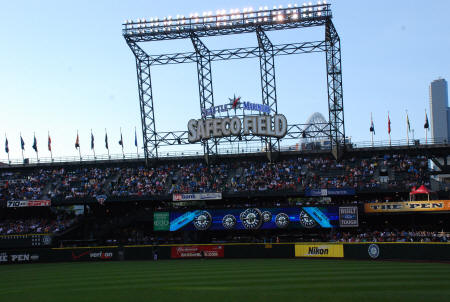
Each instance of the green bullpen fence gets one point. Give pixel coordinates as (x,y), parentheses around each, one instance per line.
(365,251)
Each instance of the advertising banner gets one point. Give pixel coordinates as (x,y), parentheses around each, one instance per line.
(255,219)
(329,192)
(348,217)
(161,221)
(319,250)
(28,203)
(195,251)
(408,206)
(197,196)
(18,257)
(90,255)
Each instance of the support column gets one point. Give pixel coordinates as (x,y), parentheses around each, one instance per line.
(205,87)
(335,93)
(149,134)
(268,85)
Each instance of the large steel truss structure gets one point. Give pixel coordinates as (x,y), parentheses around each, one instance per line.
(236,22)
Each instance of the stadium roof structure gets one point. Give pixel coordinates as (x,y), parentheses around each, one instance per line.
(238,21)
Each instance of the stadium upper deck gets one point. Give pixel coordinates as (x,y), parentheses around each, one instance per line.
(243,175)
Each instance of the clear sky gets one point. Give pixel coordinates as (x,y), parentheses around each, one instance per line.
(64,66)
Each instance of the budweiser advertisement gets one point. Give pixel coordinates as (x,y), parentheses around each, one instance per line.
(195,251)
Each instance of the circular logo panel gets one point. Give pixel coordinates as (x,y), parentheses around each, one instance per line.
(252,219)
(374,251)
(306,220)
(267,216)
(229,221)
(203,221)
(282,220)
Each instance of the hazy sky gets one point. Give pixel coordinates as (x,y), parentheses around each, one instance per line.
(64,66)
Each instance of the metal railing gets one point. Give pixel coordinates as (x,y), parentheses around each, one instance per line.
(245,149)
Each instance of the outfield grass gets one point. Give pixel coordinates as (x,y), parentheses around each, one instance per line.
(226,280)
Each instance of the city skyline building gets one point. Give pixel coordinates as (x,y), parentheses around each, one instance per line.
(439,110)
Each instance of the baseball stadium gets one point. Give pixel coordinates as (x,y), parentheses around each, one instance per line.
(245,203)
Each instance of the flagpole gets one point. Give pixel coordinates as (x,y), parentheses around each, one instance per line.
(106,135)
(135,140)
(50,146)
(21,146)
(6,139)
(407,128)
(79,148)
(121,139)
(426,129)
(92,145)
(389,125)
(35,143)
(371,123)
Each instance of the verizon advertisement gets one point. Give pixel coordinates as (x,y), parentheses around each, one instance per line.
(28,203)
(195,251)
(92,255)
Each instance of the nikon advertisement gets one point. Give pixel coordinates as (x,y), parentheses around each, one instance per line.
(319,250)
(407,206)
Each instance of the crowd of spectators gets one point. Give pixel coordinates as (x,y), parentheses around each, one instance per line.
(295,174)
(391,236)
(36,225)
(17,185)
(141,181)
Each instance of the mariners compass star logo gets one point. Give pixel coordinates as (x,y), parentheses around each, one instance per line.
(235,101)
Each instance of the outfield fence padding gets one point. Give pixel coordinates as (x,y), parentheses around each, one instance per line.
(363,251)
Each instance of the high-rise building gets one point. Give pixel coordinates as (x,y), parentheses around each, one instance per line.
(439,111)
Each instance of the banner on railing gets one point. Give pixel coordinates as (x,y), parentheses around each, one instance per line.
(197,196)
(28,203)
(329,192)
(408,206)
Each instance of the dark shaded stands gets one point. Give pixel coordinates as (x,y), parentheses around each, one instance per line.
(119,198)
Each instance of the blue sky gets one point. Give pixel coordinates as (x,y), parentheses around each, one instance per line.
(64,66)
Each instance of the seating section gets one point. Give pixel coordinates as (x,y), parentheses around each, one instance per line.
(295,174)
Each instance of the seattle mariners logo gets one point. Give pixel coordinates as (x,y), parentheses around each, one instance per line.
(374,251)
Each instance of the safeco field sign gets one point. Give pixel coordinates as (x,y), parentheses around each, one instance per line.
(319,250)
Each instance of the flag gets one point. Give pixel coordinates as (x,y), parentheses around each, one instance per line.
(92,141)
(106,141)
(135,137)
(121,140)
(6,145)
(372,126)
(407,123)
(22,143)
(77,142)
(389,124)
(427,125)
(35,144)
(49,143)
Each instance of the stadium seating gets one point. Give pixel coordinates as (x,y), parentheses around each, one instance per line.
(295,174)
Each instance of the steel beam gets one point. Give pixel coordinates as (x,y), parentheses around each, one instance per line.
(149,135)
(205,86)
(335,93)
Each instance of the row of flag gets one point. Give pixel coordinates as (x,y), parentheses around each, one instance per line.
(372,126)
(77,142)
